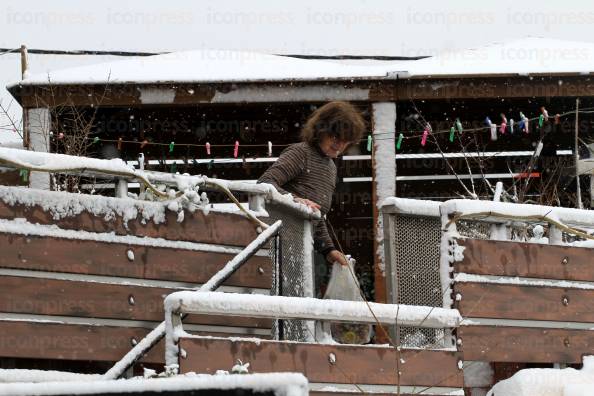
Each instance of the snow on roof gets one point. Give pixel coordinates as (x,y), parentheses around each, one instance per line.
(520,57)
(205,66)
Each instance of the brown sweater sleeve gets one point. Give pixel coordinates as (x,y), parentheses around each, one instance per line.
(322,242)
(289,165)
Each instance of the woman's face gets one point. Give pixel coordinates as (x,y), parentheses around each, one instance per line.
(333,146)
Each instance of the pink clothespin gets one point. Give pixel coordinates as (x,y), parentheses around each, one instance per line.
(503,124)
(424,138)
(207,145)
(236,149)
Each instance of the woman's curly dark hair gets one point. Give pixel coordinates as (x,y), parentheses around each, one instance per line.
(339,119)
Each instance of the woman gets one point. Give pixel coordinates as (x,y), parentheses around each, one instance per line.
(307,169)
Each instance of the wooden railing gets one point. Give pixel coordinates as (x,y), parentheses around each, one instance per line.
(83,287)
(521,276)
(356,367)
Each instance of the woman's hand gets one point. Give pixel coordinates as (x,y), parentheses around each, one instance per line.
(336,256)
(308,203)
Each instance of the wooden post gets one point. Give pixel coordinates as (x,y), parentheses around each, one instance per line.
(383,162)
(24,61)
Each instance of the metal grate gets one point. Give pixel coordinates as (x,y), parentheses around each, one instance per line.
(294,276)
(474,229)
(415,266)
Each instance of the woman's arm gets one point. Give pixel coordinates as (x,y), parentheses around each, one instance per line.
(322,241)
(324,245)
(289,165)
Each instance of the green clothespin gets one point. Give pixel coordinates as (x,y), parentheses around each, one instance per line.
(174,167)
(399,142)
(210,163)
(452,132)
(369,143)
(459,125)
(171,145)
(540,120)
(24,174)
(96,140)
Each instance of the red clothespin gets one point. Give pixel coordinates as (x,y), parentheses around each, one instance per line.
(120,144)
(144,143)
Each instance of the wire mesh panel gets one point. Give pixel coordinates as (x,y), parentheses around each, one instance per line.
(294,274)
(474,229)
(414,271)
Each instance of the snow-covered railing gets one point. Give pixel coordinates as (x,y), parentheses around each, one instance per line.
(213,283)
(521,276)
(279,307)
(117,169)
(504,216)
(288,384)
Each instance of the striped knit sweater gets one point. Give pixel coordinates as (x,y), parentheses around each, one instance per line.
(306,172)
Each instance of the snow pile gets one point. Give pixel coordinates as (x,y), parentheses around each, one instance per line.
(281,384)
(548,382)
(62,205)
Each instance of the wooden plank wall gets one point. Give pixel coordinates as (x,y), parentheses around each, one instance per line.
(83,299)
(529,311)
(331,364)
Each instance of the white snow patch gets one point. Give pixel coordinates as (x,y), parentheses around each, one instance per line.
(548,382)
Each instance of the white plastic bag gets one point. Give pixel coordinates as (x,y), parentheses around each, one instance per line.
(343,285)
